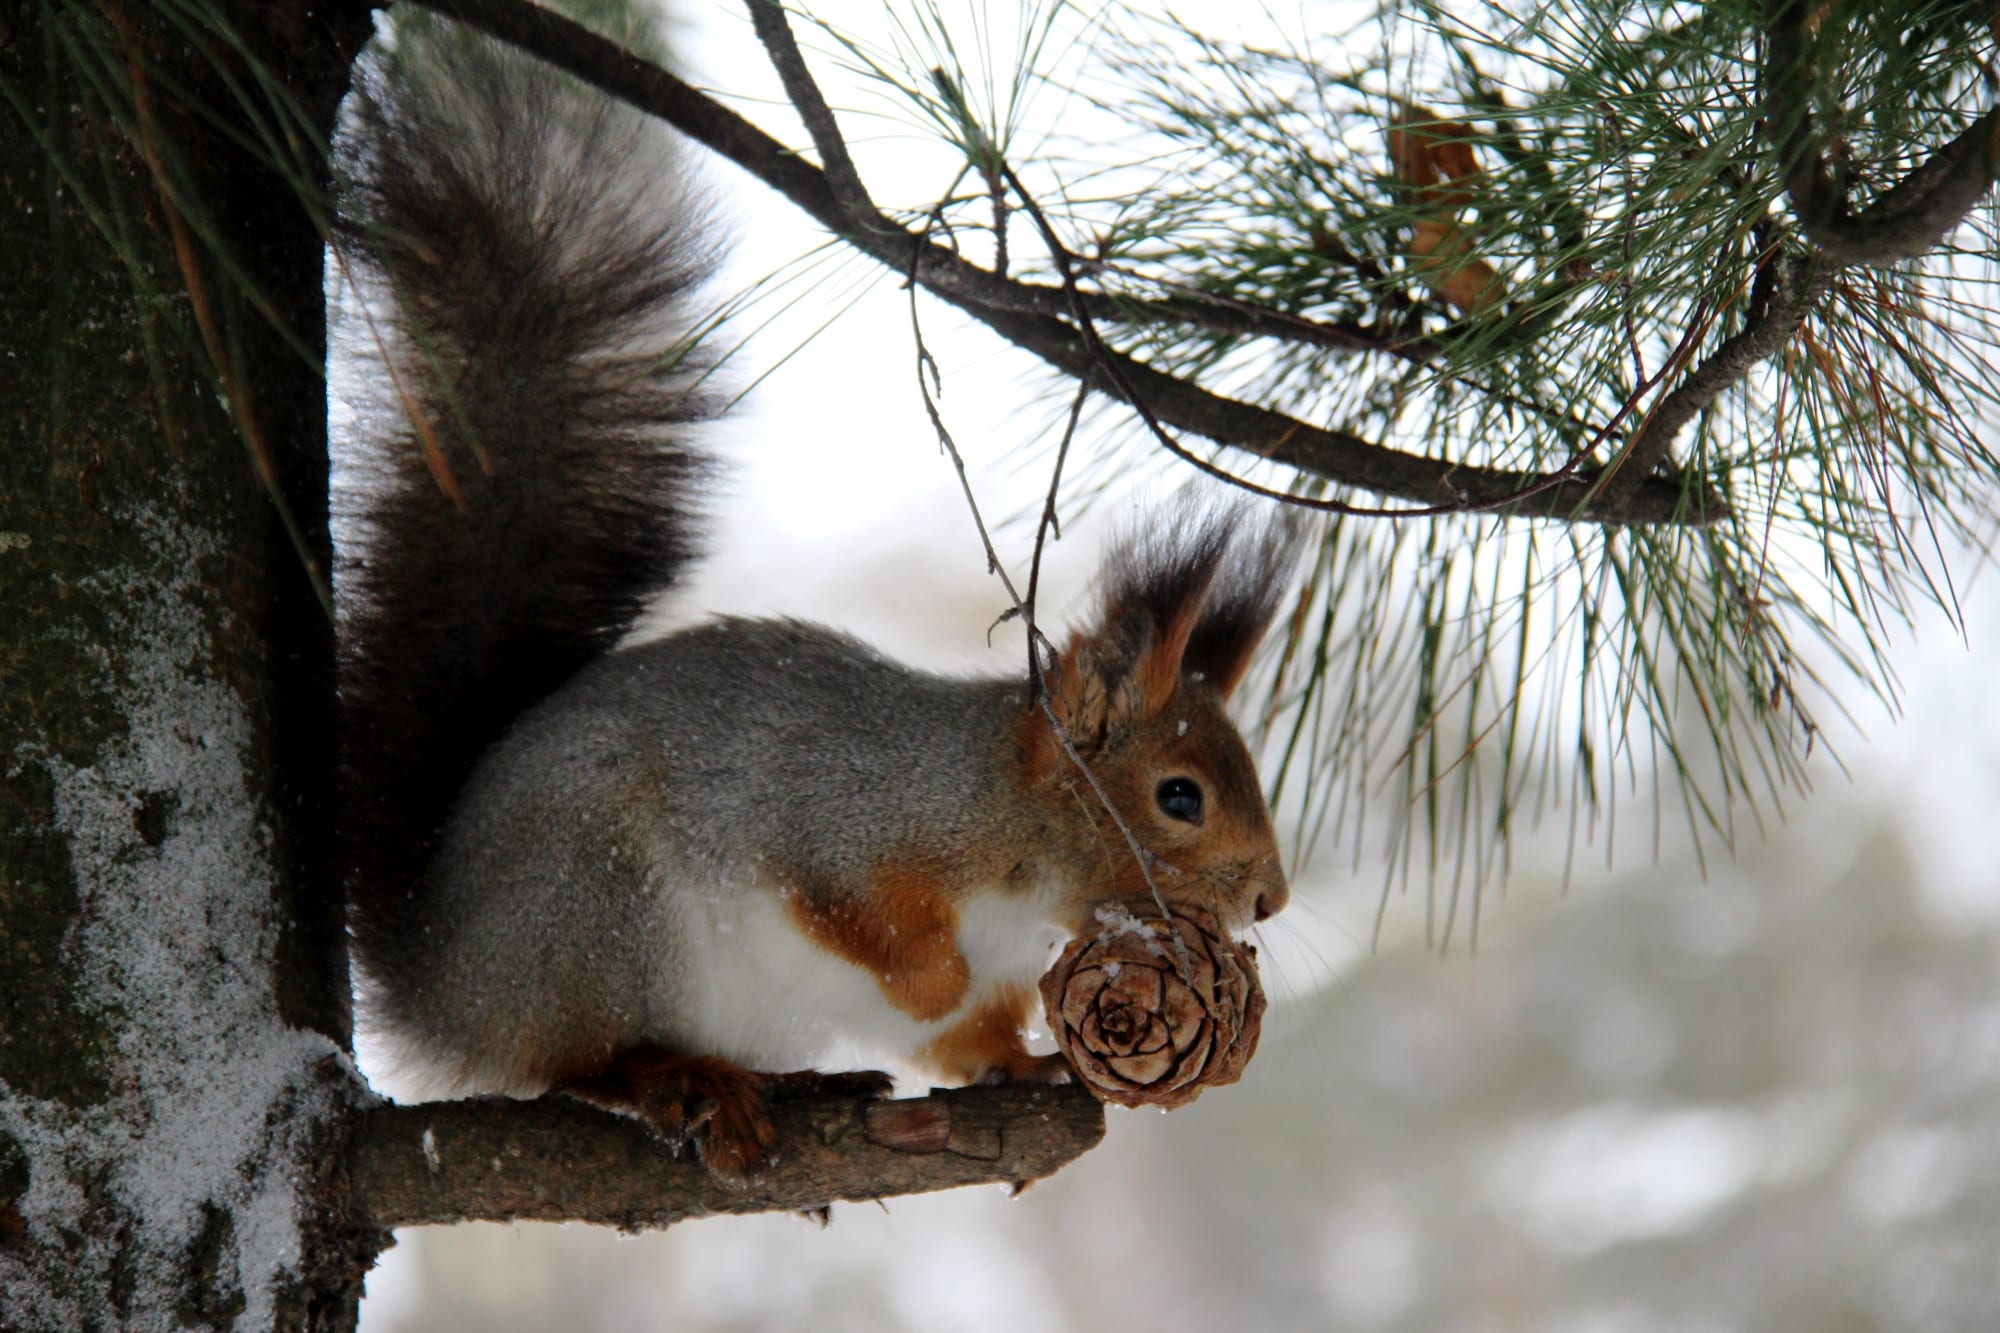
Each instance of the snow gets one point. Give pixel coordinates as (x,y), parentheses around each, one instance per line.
(1117,920)
(213,1098)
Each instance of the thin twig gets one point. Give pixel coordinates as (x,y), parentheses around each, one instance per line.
(927,371)
(1142,855)
(1038,691)
(1048,523)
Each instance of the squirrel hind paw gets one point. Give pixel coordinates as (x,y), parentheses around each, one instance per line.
(718,1105)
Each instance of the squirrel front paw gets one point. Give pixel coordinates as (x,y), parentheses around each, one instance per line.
(1025,1068)
(986,1046)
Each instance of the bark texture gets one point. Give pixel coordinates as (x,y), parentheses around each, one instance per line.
(171,1016)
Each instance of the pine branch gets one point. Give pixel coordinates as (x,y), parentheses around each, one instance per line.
(1763,335)
(1035,317)
(558,1160)
(1909,219)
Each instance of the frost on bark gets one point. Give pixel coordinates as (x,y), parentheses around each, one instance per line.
(171,1069)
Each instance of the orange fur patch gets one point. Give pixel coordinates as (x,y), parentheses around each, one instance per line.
(903,931)
(987,1041)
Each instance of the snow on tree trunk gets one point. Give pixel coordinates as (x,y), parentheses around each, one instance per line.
(156,1167)
(173,1091)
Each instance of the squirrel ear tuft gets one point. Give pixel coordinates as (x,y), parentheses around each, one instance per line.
(1242,602)
(1191,594)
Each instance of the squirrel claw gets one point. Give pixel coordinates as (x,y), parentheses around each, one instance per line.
(696,1114)
(1026,1068)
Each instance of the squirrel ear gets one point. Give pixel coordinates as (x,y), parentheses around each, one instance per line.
(1095,689)
(1242,602)
(1239,610)
(1079,694)
(1126,667)
(1166,627)
(1194,595)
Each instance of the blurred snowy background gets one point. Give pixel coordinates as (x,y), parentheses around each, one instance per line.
(1765,1099)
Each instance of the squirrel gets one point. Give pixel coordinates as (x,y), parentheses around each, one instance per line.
(651,873)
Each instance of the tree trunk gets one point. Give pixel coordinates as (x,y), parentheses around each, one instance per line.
(173,1083)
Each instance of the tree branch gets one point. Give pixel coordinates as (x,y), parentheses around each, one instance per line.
(1032,316)
(618,73)
(1766,331)
(1533,496)
(774,30)
(555,1159)
(1907,221)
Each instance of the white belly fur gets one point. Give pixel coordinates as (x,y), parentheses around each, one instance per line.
(765,996)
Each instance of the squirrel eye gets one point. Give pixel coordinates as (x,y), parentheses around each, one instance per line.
(1179,798)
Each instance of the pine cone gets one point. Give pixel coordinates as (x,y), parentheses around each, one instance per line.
(1137,1031)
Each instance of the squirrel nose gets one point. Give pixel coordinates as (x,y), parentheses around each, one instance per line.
(1269,902)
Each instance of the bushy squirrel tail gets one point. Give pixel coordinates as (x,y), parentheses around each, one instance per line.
(525,258)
